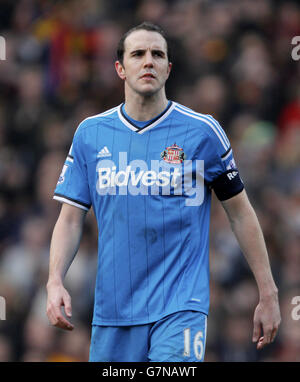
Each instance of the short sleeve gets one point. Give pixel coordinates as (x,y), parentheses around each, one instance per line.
(221,171)
(72,186)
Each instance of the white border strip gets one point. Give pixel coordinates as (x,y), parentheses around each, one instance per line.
(160,119)
(71,160)
(104,114)
(133,128)
(65,200)
(211,119)
(225,145)
(227,155)
(205,330)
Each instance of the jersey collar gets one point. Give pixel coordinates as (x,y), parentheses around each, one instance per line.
(154,122)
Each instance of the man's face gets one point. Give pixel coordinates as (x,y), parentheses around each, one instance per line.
(145,67)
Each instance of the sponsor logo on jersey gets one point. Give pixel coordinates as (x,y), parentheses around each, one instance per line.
(173,154)
(104,153)
(136,178)
(61,178)
(231,164)
(231,175)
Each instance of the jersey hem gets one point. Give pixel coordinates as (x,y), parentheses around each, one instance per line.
(144,321)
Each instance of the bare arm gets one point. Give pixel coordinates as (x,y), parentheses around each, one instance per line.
(64,246)
(246,228)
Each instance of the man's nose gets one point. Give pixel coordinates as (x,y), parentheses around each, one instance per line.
(148,62)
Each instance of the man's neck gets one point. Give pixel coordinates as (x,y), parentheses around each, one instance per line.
(143,108)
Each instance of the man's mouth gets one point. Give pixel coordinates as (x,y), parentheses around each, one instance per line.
(148,75)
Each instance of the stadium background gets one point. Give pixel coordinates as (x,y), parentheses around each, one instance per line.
(232,59)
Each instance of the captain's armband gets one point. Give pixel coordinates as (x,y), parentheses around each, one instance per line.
(227,184)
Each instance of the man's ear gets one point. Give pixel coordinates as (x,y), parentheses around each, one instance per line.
(169,68)
(120,70)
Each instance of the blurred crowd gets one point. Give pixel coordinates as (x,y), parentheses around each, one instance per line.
(231,59)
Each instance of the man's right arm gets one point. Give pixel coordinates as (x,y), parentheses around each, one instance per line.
(64,246)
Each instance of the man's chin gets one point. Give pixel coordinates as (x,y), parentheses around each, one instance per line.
(148,91)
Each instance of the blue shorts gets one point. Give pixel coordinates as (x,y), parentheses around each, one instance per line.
(179,337)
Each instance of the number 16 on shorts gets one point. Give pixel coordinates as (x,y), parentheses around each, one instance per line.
(193,346)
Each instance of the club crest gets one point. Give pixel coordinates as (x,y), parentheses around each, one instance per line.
(173,154)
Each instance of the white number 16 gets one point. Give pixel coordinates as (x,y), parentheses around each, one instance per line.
(197,344)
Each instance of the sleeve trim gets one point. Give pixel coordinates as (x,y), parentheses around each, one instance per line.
(70,158)
(72,202)
(226,154)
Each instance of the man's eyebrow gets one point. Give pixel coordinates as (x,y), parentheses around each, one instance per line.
(137,50)
(141,50)
(159,51)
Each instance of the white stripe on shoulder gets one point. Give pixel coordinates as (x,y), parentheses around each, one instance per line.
(210,118)
(209,123)
(110,111)
(104,114)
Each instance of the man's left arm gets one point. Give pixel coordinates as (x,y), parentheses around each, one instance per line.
(247,230)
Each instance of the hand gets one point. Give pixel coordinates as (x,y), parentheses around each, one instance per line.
(58,297)
(266,321)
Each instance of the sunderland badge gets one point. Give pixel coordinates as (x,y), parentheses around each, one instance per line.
(173,154)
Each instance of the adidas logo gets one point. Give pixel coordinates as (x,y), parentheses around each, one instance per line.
(103,153)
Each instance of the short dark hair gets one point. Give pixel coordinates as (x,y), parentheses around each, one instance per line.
(148,26)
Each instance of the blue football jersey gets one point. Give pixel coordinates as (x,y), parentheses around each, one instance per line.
(150,187)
